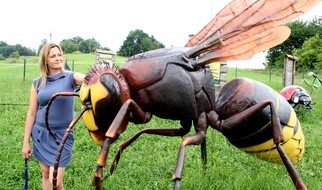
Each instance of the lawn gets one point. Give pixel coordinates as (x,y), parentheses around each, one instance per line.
(150,161)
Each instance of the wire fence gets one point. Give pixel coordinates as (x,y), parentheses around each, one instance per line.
(22,73)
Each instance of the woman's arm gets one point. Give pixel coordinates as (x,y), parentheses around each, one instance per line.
(78,78)
(30,120)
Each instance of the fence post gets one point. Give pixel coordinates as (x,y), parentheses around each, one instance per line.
(270,74)
(24,69)
(236,72)
(289,70)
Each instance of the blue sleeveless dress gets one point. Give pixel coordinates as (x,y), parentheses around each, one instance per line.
(61,113)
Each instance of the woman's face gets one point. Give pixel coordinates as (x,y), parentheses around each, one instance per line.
(55,60)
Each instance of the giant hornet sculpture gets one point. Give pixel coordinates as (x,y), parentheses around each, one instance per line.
(176,84)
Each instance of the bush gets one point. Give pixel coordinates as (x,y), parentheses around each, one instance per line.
(2,58)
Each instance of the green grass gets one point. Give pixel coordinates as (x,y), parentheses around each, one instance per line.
(150,161)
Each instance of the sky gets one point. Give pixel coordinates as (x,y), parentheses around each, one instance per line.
(28,22)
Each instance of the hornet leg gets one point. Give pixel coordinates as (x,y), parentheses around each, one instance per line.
(64,139)
(234,121)
(161,131)
(278,139)
(117,127)
(101,163)
(196,139)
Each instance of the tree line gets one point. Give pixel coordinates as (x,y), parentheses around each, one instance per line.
(304,43)
(136,41)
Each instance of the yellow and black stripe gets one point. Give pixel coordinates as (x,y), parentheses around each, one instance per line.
(254,135)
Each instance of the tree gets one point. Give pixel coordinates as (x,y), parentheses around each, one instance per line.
(43,42)
(23,51)
(2,43)
(14,55)
(16,50)
(89,45)
(69,46)
(136,42)
(84,46)
(310,55)
(301,31)
(77,40)
(6,51)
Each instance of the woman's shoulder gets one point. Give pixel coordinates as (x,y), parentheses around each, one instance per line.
(69,72)
(36,81)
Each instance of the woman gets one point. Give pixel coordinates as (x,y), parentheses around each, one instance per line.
(53,78)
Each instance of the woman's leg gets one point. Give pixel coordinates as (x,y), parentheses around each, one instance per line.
(46,185)
(47,177)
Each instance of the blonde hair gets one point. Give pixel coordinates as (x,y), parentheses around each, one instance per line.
(43,56)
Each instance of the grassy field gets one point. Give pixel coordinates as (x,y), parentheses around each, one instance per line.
(150,161)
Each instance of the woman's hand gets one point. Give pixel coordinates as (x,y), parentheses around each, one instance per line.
(26,151)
